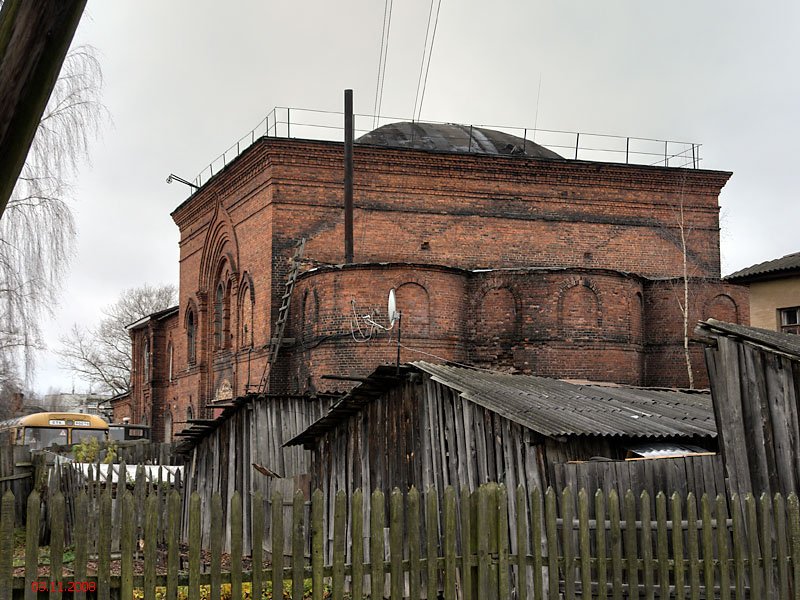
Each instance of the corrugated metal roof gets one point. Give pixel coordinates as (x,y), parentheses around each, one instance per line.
(786,343)
(550,407)
(556,408)
(767,269)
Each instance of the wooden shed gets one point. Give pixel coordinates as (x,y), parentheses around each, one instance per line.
(437,425)
(755,384)
(243,450)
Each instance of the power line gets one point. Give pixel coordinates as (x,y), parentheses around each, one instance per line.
(422,62)
(430,53)
(387,25)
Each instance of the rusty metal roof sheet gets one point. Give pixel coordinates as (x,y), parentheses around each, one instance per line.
(767,270)
(551,407)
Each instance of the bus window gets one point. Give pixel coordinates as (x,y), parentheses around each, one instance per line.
(40,437)
(80,435)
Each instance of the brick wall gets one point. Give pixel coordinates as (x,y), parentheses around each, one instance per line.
(427,209)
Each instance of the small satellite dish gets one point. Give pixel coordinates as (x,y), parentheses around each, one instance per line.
(392,308)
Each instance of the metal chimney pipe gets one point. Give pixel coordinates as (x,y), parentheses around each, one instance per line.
(348,176)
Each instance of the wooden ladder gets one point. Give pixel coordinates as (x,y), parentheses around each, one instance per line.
(283,315)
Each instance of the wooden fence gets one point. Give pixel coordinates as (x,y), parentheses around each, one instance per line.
(698,474)
(17,476)
(684,550)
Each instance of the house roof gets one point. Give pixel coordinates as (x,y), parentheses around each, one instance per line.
(768,270)
(785,343)
(156,316)
(551,407)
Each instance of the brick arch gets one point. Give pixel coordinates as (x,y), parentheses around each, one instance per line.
(636,317)
(414,304)
(246,310)
(723,308)
(580,311)
(220,243)
(310,326)
(498,314)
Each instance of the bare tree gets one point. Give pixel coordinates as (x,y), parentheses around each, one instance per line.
(102,356)
(37,230)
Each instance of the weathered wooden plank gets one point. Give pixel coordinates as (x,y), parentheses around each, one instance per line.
(376,544)
(468,547)
(662,545)
(782,556)
(615,539)
(396,544)
(567,547)
(127,544)
(81,541)
(600,544)
(216,532)
(357,550)
(502,529)
(552,543)
(432,543)
(584,543)
(723,547)
(537,542)
(739,543)
(150,545)
(522,529)
(449,540)
(693,547)
(754,555)
(277,528)
(631,550)
(708,543)
(173,543)
(31,544)
(57,517)
(257,543)
(793,516)
(648,567)
(237,531)
(339,553)
(195,537)
(298,545)
(104,545)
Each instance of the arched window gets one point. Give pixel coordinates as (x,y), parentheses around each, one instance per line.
(222,315)
(146,360)
(246,312)
(189,412)
(170,355)
(168,427)
(218,310)
(191,334)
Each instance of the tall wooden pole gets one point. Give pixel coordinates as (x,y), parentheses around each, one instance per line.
(348,176)
(34,39)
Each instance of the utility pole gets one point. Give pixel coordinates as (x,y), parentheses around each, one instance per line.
(348,176)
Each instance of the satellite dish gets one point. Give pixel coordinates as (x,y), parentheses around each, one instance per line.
(392,308)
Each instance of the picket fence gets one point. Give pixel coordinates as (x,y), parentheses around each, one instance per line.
(411,547)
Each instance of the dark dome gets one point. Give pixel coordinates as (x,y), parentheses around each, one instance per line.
(453,138)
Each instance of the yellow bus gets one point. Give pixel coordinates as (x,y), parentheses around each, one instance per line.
(41,430)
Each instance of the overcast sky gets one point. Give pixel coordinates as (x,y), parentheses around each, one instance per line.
(185,79)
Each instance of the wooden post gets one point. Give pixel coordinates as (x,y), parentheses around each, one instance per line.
(31,544)
(376,545)
(237,531)
(339,532)
(257,539)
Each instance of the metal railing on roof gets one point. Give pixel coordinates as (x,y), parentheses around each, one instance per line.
(302,123)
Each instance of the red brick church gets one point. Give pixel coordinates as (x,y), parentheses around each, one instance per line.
(502,254)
